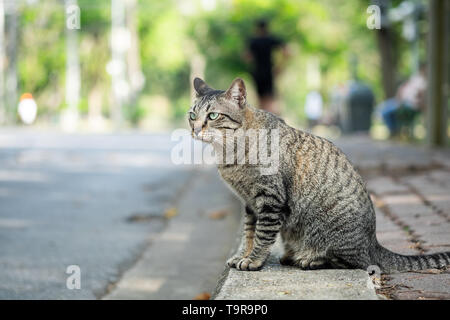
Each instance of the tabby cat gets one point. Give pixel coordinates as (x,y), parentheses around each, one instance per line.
(316,200)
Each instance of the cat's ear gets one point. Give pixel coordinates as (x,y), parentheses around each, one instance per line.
(201,87)
(237,92)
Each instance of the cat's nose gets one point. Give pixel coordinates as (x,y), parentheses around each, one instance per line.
(197,131)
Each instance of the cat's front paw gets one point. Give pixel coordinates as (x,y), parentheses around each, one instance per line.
(232,262)
(249,265)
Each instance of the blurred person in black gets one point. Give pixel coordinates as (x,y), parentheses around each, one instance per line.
(260,48)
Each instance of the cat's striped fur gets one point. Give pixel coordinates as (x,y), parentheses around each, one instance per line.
(317,201)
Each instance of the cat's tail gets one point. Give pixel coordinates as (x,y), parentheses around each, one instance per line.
(390,262)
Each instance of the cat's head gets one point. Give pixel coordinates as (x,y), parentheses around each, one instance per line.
(215,111)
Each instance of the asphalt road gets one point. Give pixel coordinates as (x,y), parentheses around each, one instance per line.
(67,199)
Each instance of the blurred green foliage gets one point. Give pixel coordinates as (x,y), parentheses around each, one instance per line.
(171,32)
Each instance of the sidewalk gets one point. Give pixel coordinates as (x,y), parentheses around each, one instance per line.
(410,187)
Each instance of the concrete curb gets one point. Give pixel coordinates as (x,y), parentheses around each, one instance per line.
(224,275)
(276,282)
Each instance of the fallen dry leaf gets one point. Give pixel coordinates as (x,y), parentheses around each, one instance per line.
(218,214)
(170,213)
(416,245)
(143,217)
(203,296)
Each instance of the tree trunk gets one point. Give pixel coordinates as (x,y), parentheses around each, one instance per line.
(438,72)
(386,45)
(73,81)
(135,75)
(120,41)
(2,64)
(11,97)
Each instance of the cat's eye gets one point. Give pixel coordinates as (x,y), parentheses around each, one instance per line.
(213,115)
(192,116)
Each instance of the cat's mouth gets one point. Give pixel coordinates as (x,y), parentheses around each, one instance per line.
(202,137)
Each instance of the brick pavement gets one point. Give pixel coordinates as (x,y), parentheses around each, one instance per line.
(413,217)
